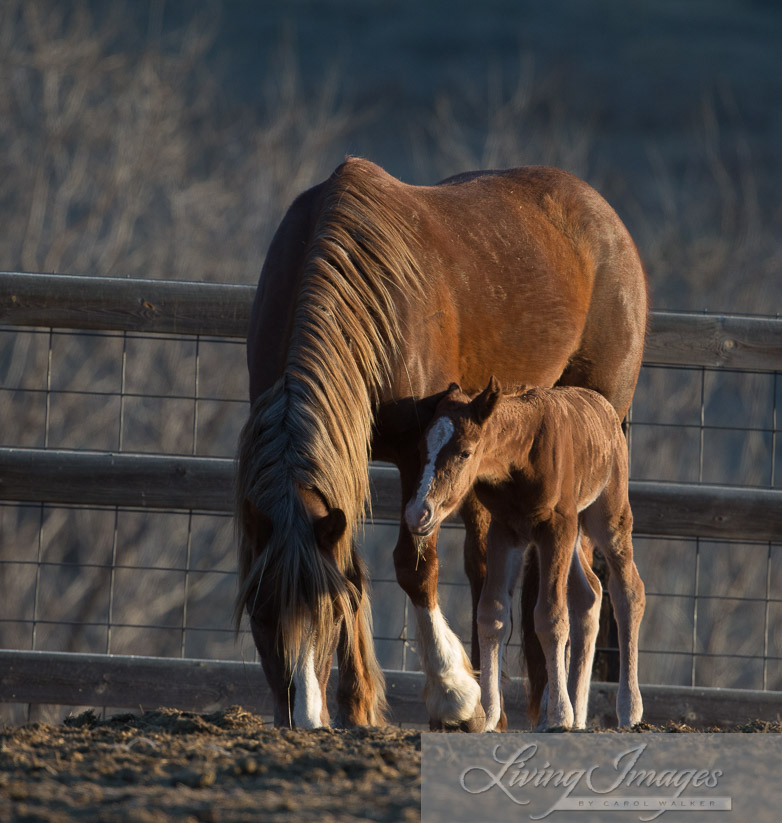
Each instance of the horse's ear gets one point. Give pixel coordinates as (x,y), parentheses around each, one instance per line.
(329,529)
(483,405)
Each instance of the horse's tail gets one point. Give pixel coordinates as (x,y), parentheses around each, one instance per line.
(534,658)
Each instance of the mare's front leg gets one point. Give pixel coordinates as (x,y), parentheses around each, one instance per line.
(453,697)
(584,595)
(555,540)
(361,685)
(503,563)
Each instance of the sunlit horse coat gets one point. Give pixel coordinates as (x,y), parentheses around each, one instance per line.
(374,296)
(550,465)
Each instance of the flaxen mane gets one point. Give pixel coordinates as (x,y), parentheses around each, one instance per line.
(312,428)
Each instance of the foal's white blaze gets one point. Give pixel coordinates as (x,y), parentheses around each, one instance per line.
(308,701)
(452,694)
(436,438)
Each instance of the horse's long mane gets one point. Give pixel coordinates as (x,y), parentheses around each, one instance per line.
(312,429)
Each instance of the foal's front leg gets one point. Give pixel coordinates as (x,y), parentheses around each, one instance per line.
(476,528)
(555,540)
(503,562)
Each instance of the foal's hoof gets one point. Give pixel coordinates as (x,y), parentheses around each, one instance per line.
(476,723)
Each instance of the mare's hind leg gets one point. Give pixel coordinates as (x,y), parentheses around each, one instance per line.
(610,521)
(584,595)
(452,694)
(361,686)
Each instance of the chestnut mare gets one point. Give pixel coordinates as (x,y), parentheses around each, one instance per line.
(547,464)
(374,296)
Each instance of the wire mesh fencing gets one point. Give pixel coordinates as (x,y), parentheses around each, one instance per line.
(131,580)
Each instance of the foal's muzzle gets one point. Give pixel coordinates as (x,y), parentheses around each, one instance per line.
(420,518)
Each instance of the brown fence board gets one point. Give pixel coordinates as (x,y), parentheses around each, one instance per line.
(124,680)
(97,680)
(714,340)
(114,304)
(172,482)
(695,510)
(106,303)
(108,479)
(203,483)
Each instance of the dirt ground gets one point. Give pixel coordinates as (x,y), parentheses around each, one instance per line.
(227,766)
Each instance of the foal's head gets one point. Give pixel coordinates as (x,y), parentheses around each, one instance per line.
(451,450)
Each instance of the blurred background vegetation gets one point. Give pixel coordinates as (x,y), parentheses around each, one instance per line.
(165,139)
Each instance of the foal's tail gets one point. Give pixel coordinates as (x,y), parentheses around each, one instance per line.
(534,658)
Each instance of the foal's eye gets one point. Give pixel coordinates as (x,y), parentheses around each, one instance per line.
(465,455)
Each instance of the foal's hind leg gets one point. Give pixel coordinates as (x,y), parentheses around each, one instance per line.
(584,598)
(534,659)
(610,521)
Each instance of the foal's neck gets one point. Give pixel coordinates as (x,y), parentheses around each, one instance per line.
(510,433)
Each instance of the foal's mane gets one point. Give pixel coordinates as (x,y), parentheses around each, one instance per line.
(312,428)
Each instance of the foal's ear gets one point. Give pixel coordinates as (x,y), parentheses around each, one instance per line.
(483,405)
(329,529)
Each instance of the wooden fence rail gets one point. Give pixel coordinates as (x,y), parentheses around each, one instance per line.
(115,304)
(121,681)
(171,482)
(204,483)
(160,306)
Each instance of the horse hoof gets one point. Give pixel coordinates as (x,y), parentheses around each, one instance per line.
(475,724)
(472,725)
(341,723)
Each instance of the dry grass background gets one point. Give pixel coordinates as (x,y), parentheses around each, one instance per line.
(128,162)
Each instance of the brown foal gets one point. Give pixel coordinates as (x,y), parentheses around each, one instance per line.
(547,464)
